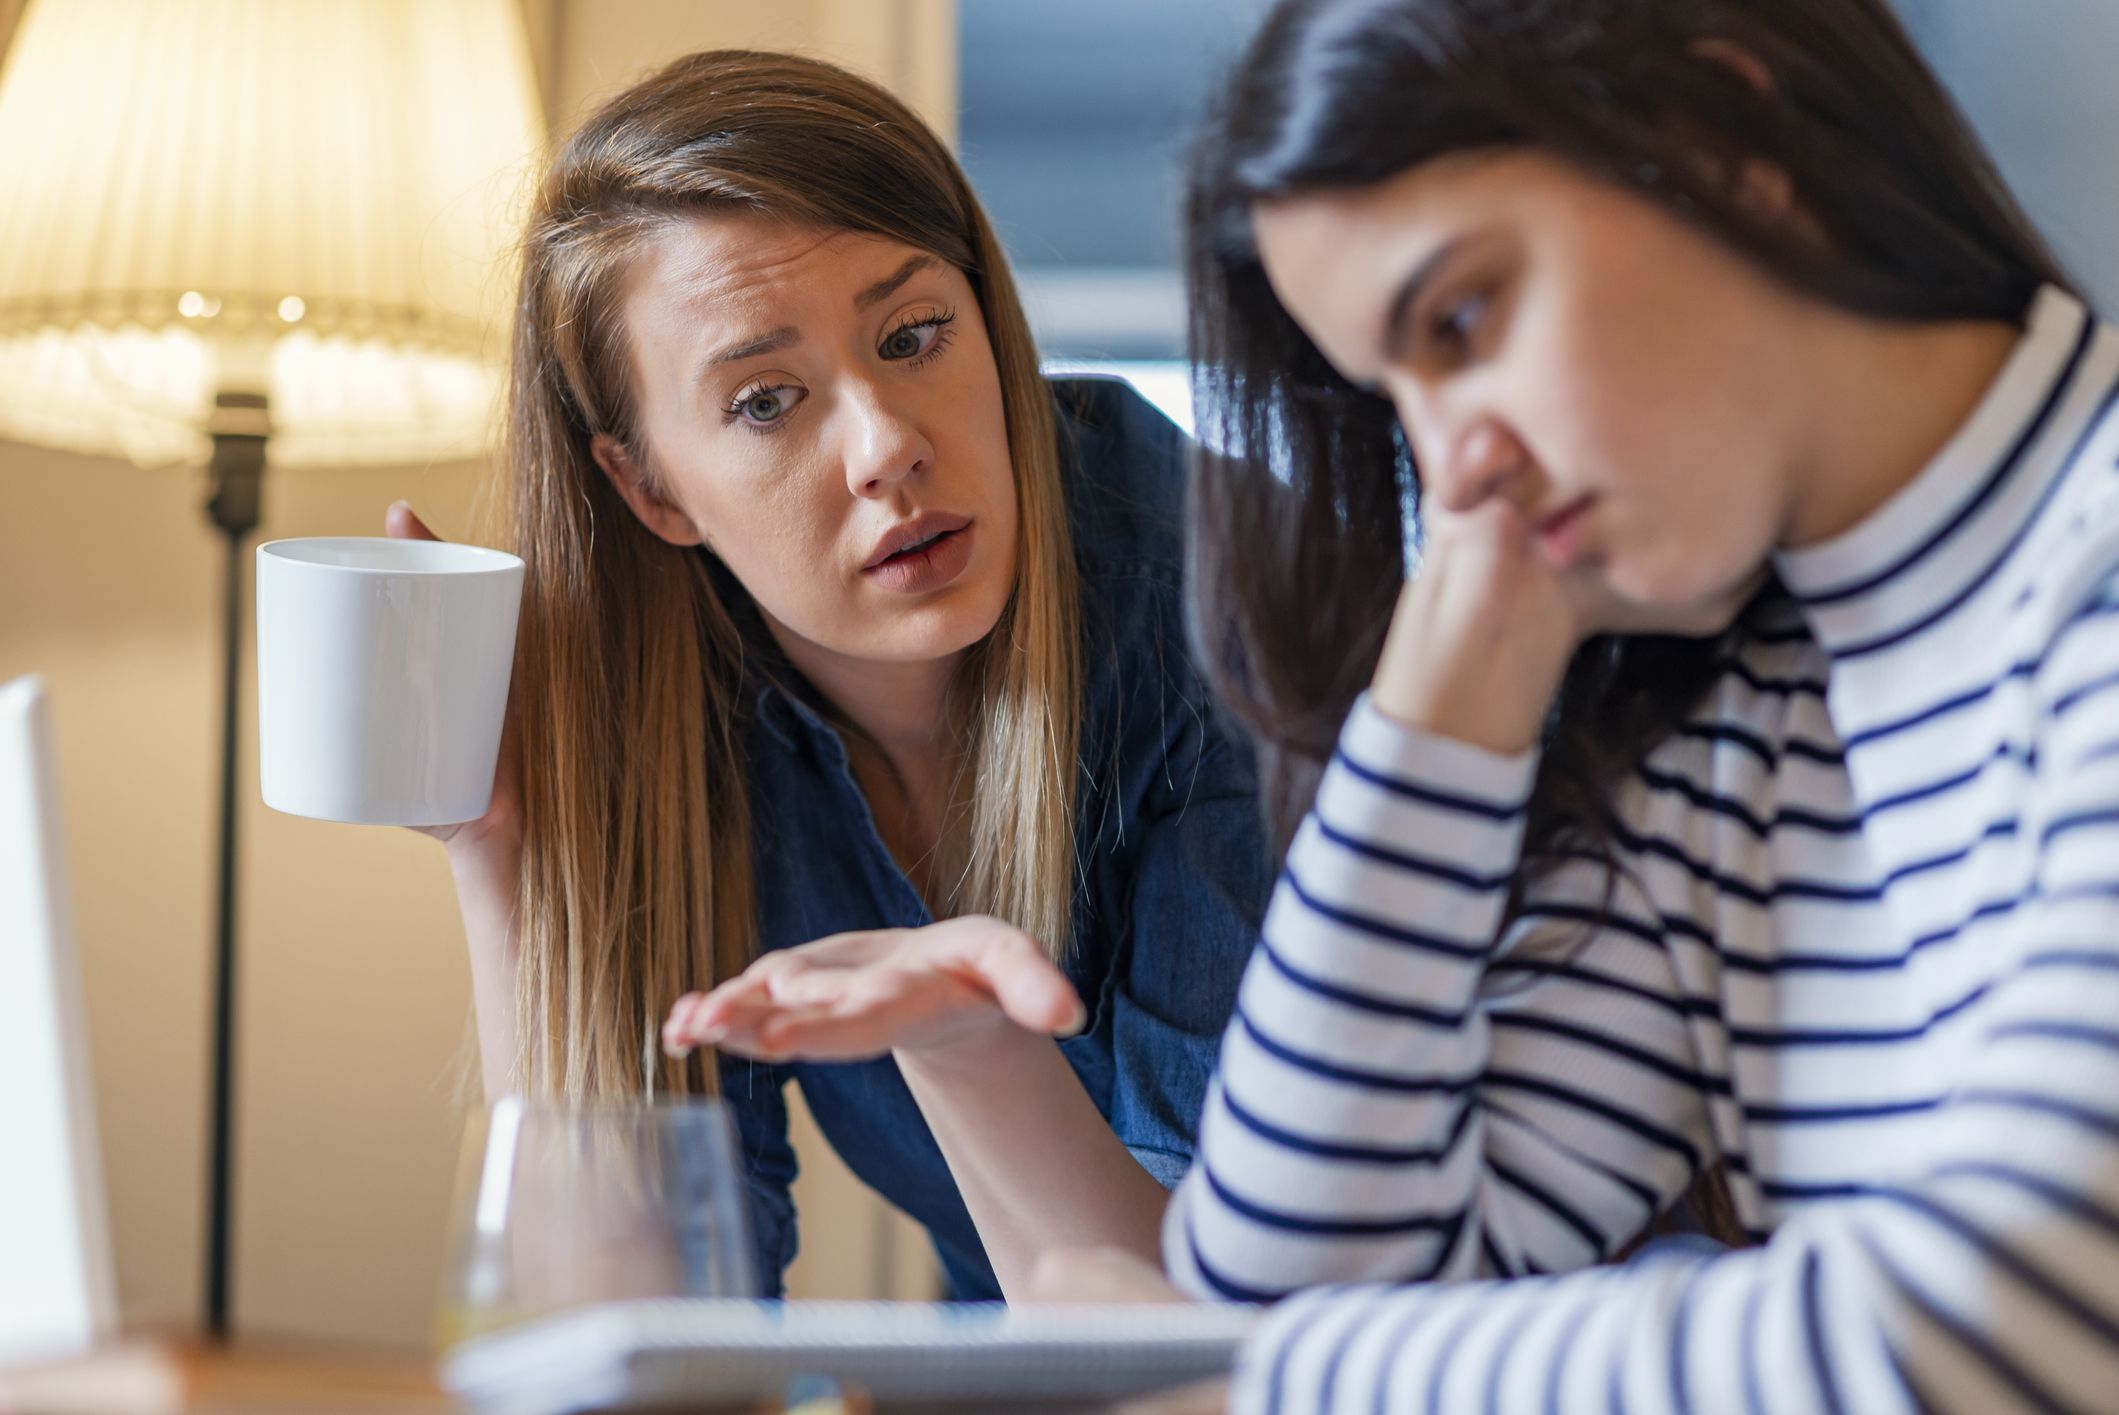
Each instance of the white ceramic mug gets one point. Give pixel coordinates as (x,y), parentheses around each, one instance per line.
(383,677)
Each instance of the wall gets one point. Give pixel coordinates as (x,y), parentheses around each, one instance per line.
(354,1001)
(353,988)
(589,47)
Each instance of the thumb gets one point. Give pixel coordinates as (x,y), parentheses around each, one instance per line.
(400,522)
(1031,991)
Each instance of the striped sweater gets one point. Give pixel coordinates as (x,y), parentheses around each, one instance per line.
(1862,950)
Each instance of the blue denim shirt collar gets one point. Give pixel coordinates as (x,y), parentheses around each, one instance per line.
(790,720)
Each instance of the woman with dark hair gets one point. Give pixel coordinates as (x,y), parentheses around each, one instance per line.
(1729,796)
(839,620)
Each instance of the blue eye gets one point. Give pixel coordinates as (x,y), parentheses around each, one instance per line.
(764,408)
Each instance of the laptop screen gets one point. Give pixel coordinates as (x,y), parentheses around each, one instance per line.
(56,1291)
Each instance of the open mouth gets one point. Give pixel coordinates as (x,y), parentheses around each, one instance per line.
(918,547)
(924,555)
(921,535)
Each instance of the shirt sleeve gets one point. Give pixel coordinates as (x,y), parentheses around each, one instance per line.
(1988,1279)
(1198,890)
(756,1094)
(1403,1097)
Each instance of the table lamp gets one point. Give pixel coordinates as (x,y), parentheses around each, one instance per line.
(249,231)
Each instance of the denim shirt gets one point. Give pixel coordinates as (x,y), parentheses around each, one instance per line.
(1173,870)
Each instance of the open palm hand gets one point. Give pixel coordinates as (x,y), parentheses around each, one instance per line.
(859,995)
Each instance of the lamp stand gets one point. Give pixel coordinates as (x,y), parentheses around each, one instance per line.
(236,474)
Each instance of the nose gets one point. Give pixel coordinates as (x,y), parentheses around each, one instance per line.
(883,446)
(1474,464)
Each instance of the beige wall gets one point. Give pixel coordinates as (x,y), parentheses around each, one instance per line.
(354,999)
(590,47)
(353,992)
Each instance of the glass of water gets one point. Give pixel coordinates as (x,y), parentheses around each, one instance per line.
(562,1207)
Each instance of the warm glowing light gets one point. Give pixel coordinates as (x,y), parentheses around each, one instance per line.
(173,170)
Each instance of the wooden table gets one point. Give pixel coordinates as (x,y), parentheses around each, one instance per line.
(186,1377)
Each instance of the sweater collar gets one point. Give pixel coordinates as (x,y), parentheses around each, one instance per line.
(1927,548)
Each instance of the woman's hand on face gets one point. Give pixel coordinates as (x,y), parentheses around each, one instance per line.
(500,828)
(940,990)
(1483,632)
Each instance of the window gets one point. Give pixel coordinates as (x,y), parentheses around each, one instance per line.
(2036,82)
(1073,127)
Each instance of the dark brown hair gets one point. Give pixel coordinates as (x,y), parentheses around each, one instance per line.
(1304,504)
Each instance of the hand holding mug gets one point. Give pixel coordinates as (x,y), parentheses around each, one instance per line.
(501,825)
(383,673)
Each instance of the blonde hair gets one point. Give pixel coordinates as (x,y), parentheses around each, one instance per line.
(636,864)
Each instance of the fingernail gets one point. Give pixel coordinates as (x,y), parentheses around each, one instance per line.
(398,505)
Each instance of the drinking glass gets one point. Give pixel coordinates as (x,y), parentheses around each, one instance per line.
(561,1207)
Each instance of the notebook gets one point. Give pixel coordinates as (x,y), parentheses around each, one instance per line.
(56,1288)
(659,1354)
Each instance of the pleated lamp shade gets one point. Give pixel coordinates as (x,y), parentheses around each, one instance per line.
(309,199)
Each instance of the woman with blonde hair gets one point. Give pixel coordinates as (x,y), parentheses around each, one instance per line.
(840,620)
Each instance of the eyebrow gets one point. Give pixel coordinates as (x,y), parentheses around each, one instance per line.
(1408,293)
(890,284)
(767,343)
(787,335)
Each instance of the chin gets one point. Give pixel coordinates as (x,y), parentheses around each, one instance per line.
(1689,604)
(1708,619)
(936,630)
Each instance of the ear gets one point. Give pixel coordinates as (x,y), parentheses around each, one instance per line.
(1765,190)
(1739,61)
(1762,189)
(666,521)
